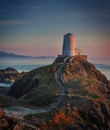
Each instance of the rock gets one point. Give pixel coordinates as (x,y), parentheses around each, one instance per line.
(88,107)
(91,79)
(10,75)
(18,127)
(1,112)
(3,122)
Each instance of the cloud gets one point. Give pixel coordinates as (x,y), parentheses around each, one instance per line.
(86,13)
(24,6)
(73,15)
(12,22)
(30,7)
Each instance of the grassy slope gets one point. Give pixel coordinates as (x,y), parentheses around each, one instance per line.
(82,108)
(47,90)
(93,110)
(82,79)
(5,100)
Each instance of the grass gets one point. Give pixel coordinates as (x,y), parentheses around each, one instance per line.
(45,92)
(80,96)
(80,86)
(5,100)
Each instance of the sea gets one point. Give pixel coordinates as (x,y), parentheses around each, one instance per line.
(28,64)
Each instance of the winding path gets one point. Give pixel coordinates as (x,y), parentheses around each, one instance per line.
(17,111)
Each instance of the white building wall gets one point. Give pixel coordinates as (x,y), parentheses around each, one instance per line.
(68,45)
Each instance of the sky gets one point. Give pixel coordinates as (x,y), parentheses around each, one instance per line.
(36,27)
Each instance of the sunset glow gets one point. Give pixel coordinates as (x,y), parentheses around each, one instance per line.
(37,27)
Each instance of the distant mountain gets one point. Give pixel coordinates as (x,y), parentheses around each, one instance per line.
(12,55)
(6,54)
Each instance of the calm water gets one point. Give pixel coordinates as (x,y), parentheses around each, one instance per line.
(24,64)
(6,84)
(103,65)
(27,64)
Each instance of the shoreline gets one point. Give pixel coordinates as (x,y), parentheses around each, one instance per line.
(3,84)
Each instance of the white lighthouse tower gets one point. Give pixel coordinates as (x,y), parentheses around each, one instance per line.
(69,45)
(69,49)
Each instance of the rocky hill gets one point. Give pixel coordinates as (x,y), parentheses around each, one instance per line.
(85,106)
(37,87)
(10,75)
(82,76)
(11,55)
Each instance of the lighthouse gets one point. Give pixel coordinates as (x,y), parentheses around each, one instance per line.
(69,45)
(69,49)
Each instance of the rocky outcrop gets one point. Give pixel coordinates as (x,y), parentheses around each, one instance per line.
(10,75)
(38,87)
(85,106)
(23,86)
(86,77)
(8,122)
(93,116)
(78,74)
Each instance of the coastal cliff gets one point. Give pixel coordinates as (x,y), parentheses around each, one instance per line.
(81,75)
(85,105)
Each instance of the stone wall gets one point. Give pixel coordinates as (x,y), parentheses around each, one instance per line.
(61,58)
(82,57)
